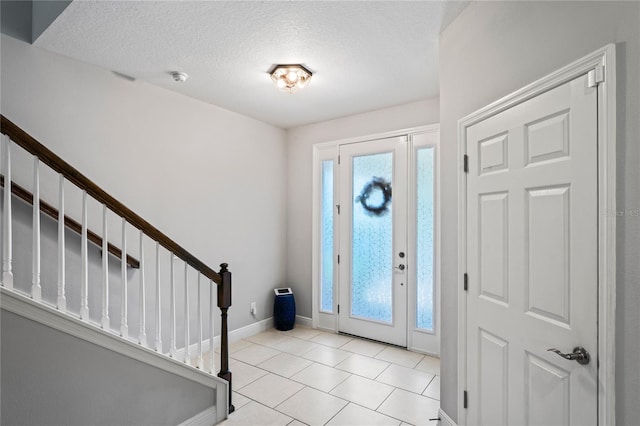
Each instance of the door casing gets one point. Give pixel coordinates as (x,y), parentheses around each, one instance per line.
(599,63)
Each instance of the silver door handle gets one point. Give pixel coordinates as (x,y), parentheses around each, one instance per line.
(579,354)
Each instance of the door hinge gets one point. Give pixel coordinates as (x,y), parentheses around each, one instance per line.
(595,76)
(338,159)
(466,282)
(338,308)
(465,399)
(338,207)
(338,259)
(466,163)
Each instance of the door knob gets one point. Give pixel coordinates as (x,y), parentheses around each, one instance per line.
(579,354)
(401,267)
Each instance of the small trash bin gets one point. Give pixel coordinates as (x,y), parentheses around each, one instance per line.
(284,309)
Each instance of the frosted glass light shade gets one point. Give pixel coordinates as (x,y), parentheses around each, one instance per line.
(291,77)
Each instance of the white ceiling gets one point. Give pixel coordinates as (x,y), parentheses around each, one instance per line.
(366,55)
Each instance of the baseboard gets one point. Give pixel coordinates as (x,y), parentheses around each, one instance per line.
(234,336)
(239,334)
(259,327)
(444,419)
(207,417)
(248,330)
(304,321)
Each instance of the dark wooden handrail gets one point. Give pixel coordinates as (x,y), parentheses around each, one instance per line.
(31,145)
(76,227)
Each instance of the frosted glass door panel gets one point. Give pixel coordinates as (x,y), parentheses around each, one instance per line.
(373,240)
(326,281)
(424,239)
(372,237)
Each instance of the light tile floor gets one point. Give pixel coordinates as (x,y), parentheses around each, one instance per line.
(306,376)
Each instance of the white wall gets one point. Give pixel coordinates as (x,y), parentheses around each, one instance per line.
(494,48)
(211,179)
(299,171)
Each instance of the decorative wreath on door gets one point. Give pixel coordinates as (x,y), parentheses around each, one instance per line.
(375,184)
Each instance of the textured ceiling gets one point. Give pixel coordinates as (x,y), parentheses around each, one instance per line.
(366,55)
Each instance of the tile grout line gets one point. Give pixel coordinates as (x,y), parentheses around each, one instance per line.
(339,411)
(385,414)
(380,374)
(309,387)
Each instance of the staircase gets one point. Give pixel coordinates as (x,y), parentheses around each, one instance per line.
(125,292)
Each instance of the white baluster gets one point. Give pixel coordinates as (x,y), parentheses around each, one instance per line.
(106,322)
(142,337)
(212,307)
(199,364)
(61,303)
(84,281)
(172,309)
(7,241)
(36,289)
(158,302)
(124,327)
(187,358)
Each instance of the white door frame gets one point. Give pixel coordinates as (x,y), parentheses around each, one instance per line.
(329,151)
(601,65)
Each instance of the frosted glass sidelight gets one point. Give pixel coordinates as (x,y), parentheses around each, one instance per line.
(372,239)
(424,238)
(326,299)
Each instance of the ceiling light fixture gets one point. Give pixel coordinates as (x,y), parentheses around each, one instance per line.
(291,77)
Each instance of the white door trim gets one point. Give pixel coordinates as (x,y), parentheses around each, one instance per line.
(604,57)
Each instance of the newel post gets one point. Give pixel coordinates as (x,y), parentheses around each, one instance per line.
(224,301)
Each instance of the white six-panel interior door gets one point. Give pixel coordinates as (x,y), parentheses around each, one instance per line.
(532,260)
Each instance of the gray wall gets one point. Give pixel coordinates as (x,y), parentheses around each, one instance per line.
(16,17)
(26,19)
(44,13)
(493,49)
(52,378)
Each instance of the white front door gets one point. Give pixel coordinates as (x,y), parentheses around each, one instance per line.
(373,240)
(532,261)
